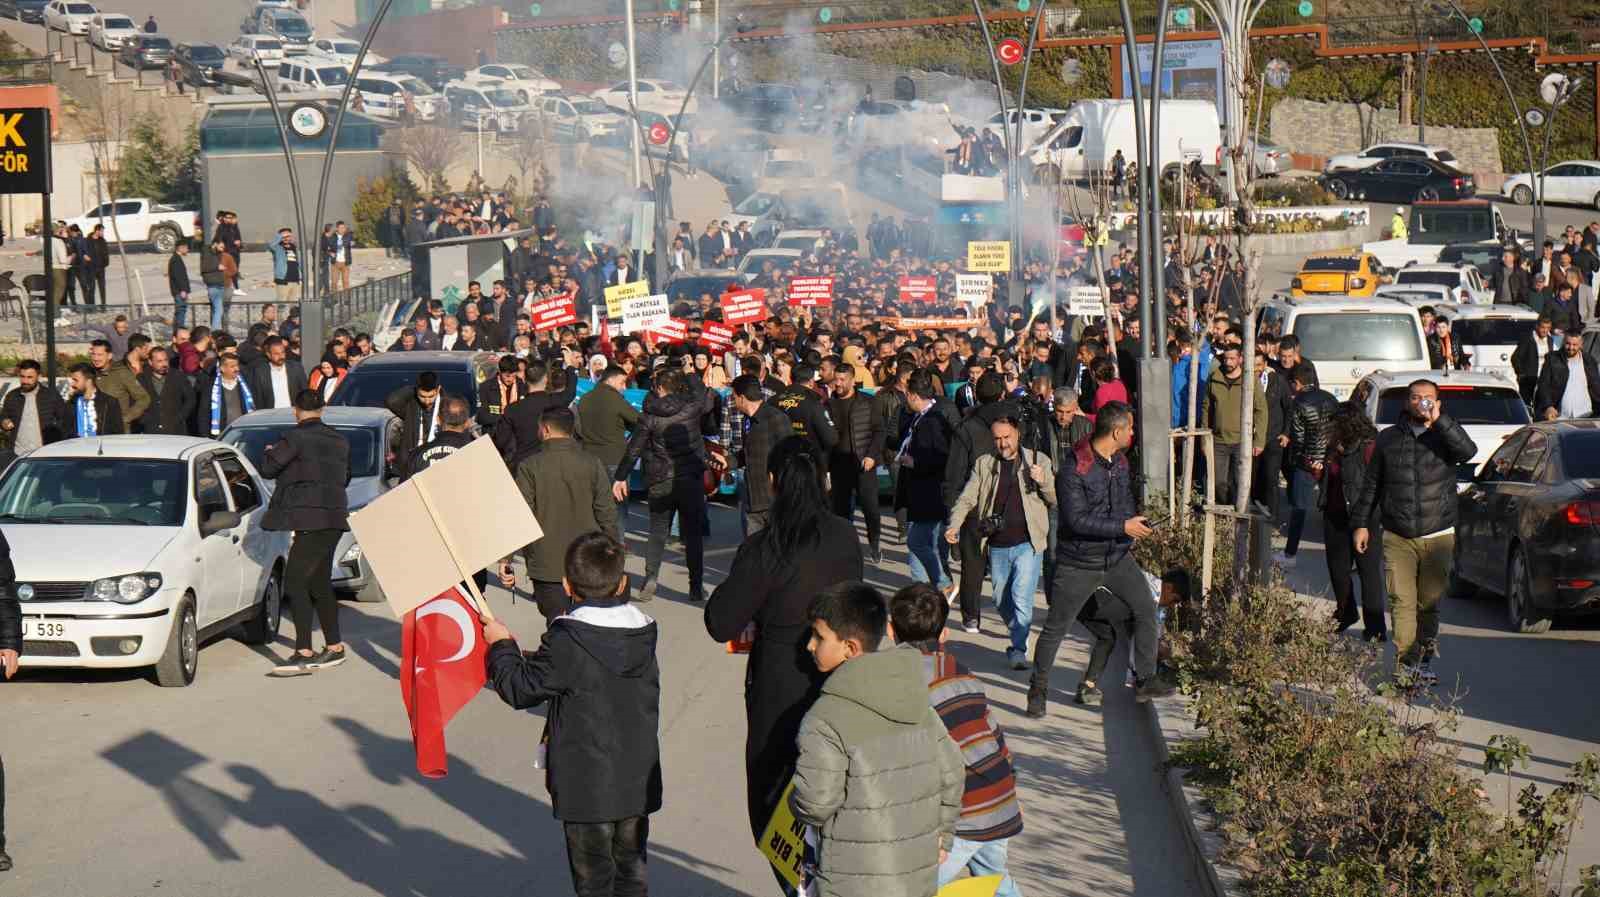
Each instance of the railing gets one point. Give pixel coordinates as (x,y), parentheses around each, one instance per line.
(345,307)
(18,72)
(82,323)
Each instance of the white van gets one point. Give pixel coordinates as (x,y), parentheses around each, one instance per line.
(383,95)
(310,73)
(1489,334)
(1347,338)
(1090,133)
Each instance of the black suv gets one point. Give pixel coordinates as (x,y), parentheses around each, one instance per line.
(199,63)
(431,70)
(145,51)
(371,382)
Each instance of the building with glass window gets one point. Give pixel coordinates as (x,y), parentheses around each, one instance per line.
(242,165)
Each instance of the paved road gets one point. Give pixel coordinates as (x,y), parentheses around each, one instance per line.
(178,19)
(1532,686)
(242,784)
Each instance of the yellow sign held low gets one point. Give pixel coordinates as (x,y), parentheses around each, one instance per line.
(972,887)
(784,841)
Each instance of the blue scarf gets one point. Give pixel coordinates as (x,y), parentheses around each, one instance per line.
(88,421)
(216,402)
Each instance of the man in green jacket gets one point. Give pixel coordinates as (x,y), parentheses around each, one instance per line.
(605,417)
(883,834)
(120,382)
(569,492)
(1220,412)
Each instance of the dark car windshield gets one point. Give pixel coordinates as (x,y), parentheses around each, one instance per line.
(691,288)
(368,387)
(155,43)
(1490,331)
(205,53)
(1451,279)
(1486,405)
(1580,454)
(1343,263)
(366,449)
(141,491)
(1358,336)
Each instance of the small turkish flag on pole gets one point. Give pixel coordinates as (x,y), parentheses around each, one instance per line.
(441,670)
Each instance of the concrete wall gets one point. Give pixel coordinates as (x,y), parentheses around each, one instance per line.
(255,186)
(1325,129)
(86,89)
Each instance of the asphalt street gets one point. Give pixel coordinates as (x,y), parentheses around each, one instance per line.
(244,785)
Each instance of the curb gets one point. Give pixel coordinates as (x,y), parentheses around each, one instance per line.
(1169,722)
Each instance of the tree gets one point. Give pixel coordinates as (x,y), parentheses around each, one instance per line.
(431,150)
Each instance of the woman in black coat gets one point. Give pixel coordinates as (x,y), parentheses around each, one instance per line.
(668,438)
(921,453)
(1350,444)
(777,572)
(311,465)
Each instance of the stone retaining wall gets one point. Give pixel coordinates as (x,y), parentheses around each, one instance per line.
(1326,129)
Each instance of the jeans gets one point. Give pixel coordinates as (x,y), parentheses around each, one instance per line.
(853,486)
(218,309)
(980,858)
(1302,489)
(608,858)
(1073,587)
(1418,573)
(688,499)
(180,312)
(1341,554)
(922,544)
(1015,574)
(308,583)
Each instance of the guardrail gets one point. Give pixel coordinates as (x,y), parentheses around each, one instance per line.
(344,306)
(21,72)
(82,323)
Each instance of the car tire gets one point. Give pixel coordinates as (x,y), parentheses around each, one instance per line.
(262,629)
(1596,201)
(1522,195)
(1520,612)
(1338,188)
(164,239)
(1427,194)
(181,660)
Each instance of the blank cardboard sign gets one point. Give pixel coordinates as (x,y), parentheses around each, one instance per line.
(444,524)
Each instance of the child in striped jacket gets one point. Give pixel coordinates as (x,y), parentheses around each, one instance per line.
(990,813)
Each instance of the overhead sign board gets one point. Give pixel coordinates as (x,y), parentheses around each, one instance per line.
(24,151)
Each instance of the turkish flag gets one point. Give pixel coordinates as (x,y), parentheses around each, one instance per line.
(441,669)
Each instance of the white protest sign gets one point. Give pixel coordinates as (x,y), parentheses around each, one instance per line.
(645,313)
(430,532)
(1086,302)
(973,289)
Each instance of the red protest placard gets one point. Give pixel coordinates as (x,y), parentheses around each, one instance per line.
(811,292)
(676,330)
(716,335)
(557,311)
(919,289)
(744,307)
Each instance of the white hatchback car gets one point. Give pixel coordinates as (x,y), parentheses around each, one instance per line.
(131,551)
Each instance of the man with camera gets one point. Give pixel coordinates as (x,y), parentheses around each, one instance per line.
(1012,489)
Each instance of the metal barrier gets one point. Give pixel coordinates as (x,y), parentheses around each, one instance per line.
(82,323)
(343,307)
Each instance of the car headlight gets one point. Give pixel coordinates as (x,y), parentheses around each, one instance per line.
(126,589)
(351,554)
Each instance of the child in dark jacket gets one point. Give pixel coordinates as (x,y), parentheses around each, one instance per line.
(597,668)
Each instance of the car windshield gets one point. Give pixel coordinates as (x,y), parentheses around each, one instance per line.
(139,491)
(1451,279)
(691,288)
(668,85)
(155,43)
(1445,156)
(502,97)
(795,169)
(292,27)
(346,46)
(1342,263)
(205,53)
(118,23)
(332,74)
(1359,336)
(80,9)
(1580,454)
(522,72)
(757,204)
(416,86)
(268,45)
(590,107)
(1491,331)
(366,449)
(1496,406)
(368,387)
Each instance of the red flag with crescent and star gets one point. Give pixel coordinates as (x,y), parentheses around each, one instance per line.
(441,669)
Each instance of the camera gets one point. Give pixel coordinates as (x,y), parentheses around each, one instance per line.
(990,524)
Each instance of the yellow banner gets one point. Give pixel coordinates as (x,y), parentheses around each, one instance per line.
(614,296)
(972,887)
(989,256)
(784,841)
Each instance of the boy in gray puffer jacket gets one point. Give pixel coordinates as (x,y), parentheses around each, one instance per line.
(872,727)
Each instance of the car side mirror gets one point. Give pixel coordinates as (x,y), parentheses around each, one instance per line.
(217,521)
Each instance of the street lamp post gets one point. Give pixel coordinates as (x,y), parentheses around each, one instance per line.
(1556,89)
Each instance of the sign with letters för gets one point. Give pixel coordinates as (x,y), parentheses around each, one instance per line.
(24,151)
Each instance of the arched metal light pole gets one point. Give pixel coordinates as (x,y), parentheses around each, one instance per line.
(294,185)
(1556,89)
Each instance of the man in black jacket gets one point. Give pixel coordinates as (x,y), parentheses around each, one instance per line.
(311,467)
(806,412)
(765,425)
(1099,523)
(172,399)
(178,283)
(32,416)
(1411,488)
(668,441)
(597,667)
(454,416)
(1557,395)
(1528,358)
(516,434)
(1280,407)
(853,465)
(1310,425)
(91,412)
(971,441)
(418,409)
(10,650)
(497,394)
(276,378)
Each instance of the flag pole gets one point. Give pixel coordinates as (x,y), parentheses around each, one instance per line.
(455,556)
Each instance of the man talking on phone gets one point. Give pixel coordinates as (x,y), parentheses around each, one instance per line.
(1411,488)
(1099,523)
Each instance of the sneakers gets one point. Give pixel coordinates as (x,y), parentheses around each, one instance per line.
(973,628)
(1017,659)
(1418,675)
(1089,695)
(297,665)
(1156,687)
(697,594)
(647,590)
(5,861)
(876,557)
(239,291)
(327,658)
(1036,703)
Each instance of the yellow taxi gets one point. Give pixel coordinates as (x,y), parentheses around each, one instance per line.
(1339,272)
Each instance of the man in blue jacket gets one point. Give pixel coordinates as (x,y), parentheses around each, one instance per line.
(285,266)
(1099,524)
(1180,376)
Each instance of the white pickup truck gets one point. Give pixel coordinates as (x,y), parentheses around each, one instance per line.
(1435,225)
(142,221)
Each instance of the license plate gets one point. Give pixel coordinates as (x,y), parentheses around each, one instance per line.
(49,630)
